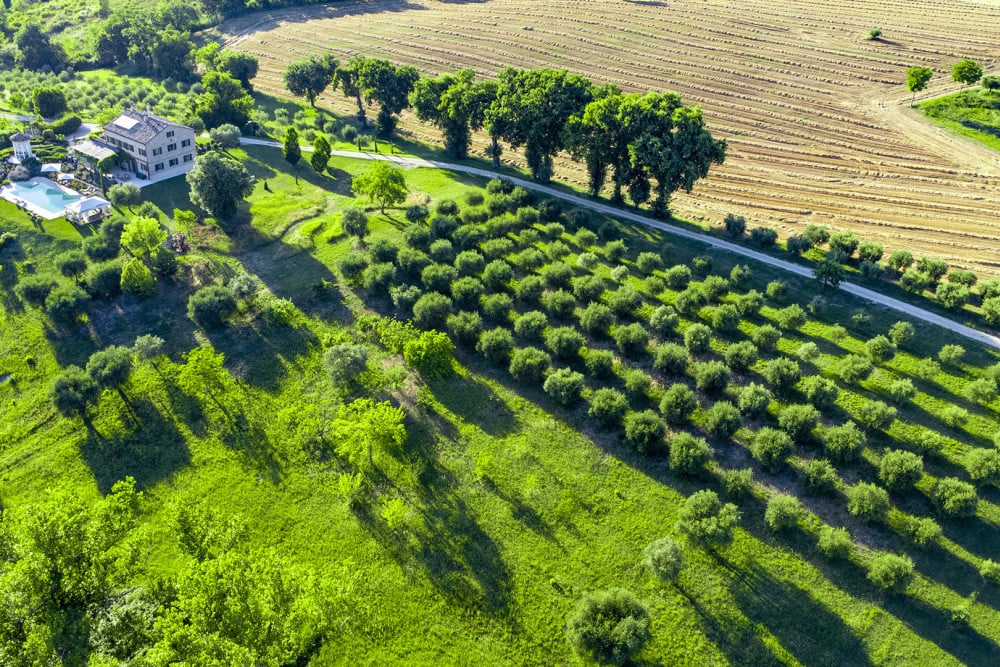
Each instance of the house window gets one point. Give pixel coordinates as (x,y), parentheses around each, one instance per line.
(170,133)
(188,157)
(185,143)
(158,166)
(158,151)
(173,162)
(171,147)
(142,152)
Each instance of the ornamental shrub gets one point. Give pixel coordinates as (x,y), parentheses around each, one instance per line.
(835,543)
(844,443)
(600,364)
(663,321)
(890,572)
(465,327)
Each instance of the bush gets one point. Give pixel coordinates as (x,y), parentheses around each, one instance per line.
(983,390)
(559,303)
(817,234)
(704,518)
(798,421)
(990,571)
(766,337)
(920,531)
(663,559)
(442,251)
(900,260)
(890,572)
(615,251)
(791,317)
(711,377)
(65,304)
(740,356)
(588,289)
(70,264)
(955,498)
(820,476)
(854,368)
(608,406)
(670,358)
(412,262)
(934,268)
(469,263)
(844,242)
(844,443)
(226,135)
(564,342)
(678,403)
(35,289)
(528,365)
(771,447)
(631,339)
(103,281)
(869,251)
(798,244)
(529,289)
(875,415)
(901,390)
(608,627)
(430,310)
(637,382)
(697,338)
(417,213)
(345,362)
(647,262)
(722,420)
(467,237)
(530,325)
(954,416)
(564,386)
(880,349)
(765,237)
(354,222)
(835,543)
(644,431)
(497,307)
(688,454)
(678,276)
(783,511)
(984,466)
(820,392)
(736,225)
(137,278)
(714,287)
(497,274)
(753,399)
(868,502)
(914,281)
(900,469)
(690,301)
(726,318)
(439,277)
(465,327)
(466,291)
(587,261)
(600,364)
(496,345)
(782,374)
(738,483)
(663,321)
(377,278)
(211,306)
(624,301)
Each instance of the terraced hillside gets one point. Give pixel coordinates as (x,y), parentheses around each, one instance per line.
(816,115)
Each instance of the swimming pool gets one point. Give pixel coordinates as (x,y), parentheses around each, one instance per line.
(41,196)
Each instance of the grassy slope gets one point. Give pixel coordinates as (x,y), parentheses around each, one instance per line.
(973,113)
(515,513)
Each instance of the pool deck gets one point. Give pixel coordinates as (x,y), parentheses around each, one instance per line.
(7,192)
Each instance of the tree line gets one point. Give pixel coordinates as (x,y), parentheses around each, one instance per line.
(649,145)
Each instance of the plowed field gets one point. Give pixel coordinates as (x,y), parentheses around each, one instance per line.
(816,116)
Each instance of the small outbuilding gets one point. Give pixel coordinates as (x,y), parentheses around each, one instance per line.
(87,210)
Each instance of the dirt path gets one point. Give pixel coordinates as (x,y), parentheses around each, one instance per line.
(870,295)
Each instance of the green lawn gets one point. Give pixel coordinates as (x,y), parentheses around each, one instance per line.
(512,505)
(973,113)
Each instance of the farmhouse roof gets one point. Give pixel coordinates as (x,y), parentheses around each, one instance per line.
(20,136)
(138,126)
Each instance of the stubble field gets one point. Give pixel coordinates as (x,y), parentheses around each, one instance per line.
(816,116)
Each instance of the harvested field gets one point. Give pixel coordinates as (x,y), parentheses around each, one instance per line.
(816,116)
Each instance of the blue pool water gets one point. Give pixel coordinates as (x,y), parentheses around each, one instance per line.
(44,194)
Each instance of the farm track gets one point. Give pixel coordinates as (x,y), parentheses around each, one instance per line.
(816,117)
(873,296)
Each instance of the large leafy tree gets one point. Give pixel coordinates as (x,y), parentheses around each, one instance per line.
(532,108)
(381,81)
(74,391)
(310,77)
(603,135)
(36,50)
(224,101)
(240,66)
(917,79)
(967,72)
(449,102)
(48,101)
(171,55)
(673,146)
(365,427)
(218,184)
(143,237)
(347,79)
(383,182)
(321,154)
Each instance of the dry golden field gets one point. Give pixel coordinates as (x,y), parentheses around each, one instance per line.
(816,116)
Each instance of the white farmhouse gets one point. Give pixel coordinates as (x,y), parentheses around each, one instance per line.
(155,147)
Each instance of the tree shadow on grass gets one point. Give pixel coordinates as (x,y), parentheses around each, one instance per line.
(974,534)
(253,445)
(964,643)
(149,454)
(257,360)
(806,629)
(473,402)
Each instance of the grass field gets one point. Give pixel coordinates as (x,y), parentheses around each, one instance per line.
(513,506)
(815,115)
(973,113)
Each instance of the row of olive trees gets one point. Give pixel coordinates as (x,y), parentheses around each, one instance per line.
(966,71)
